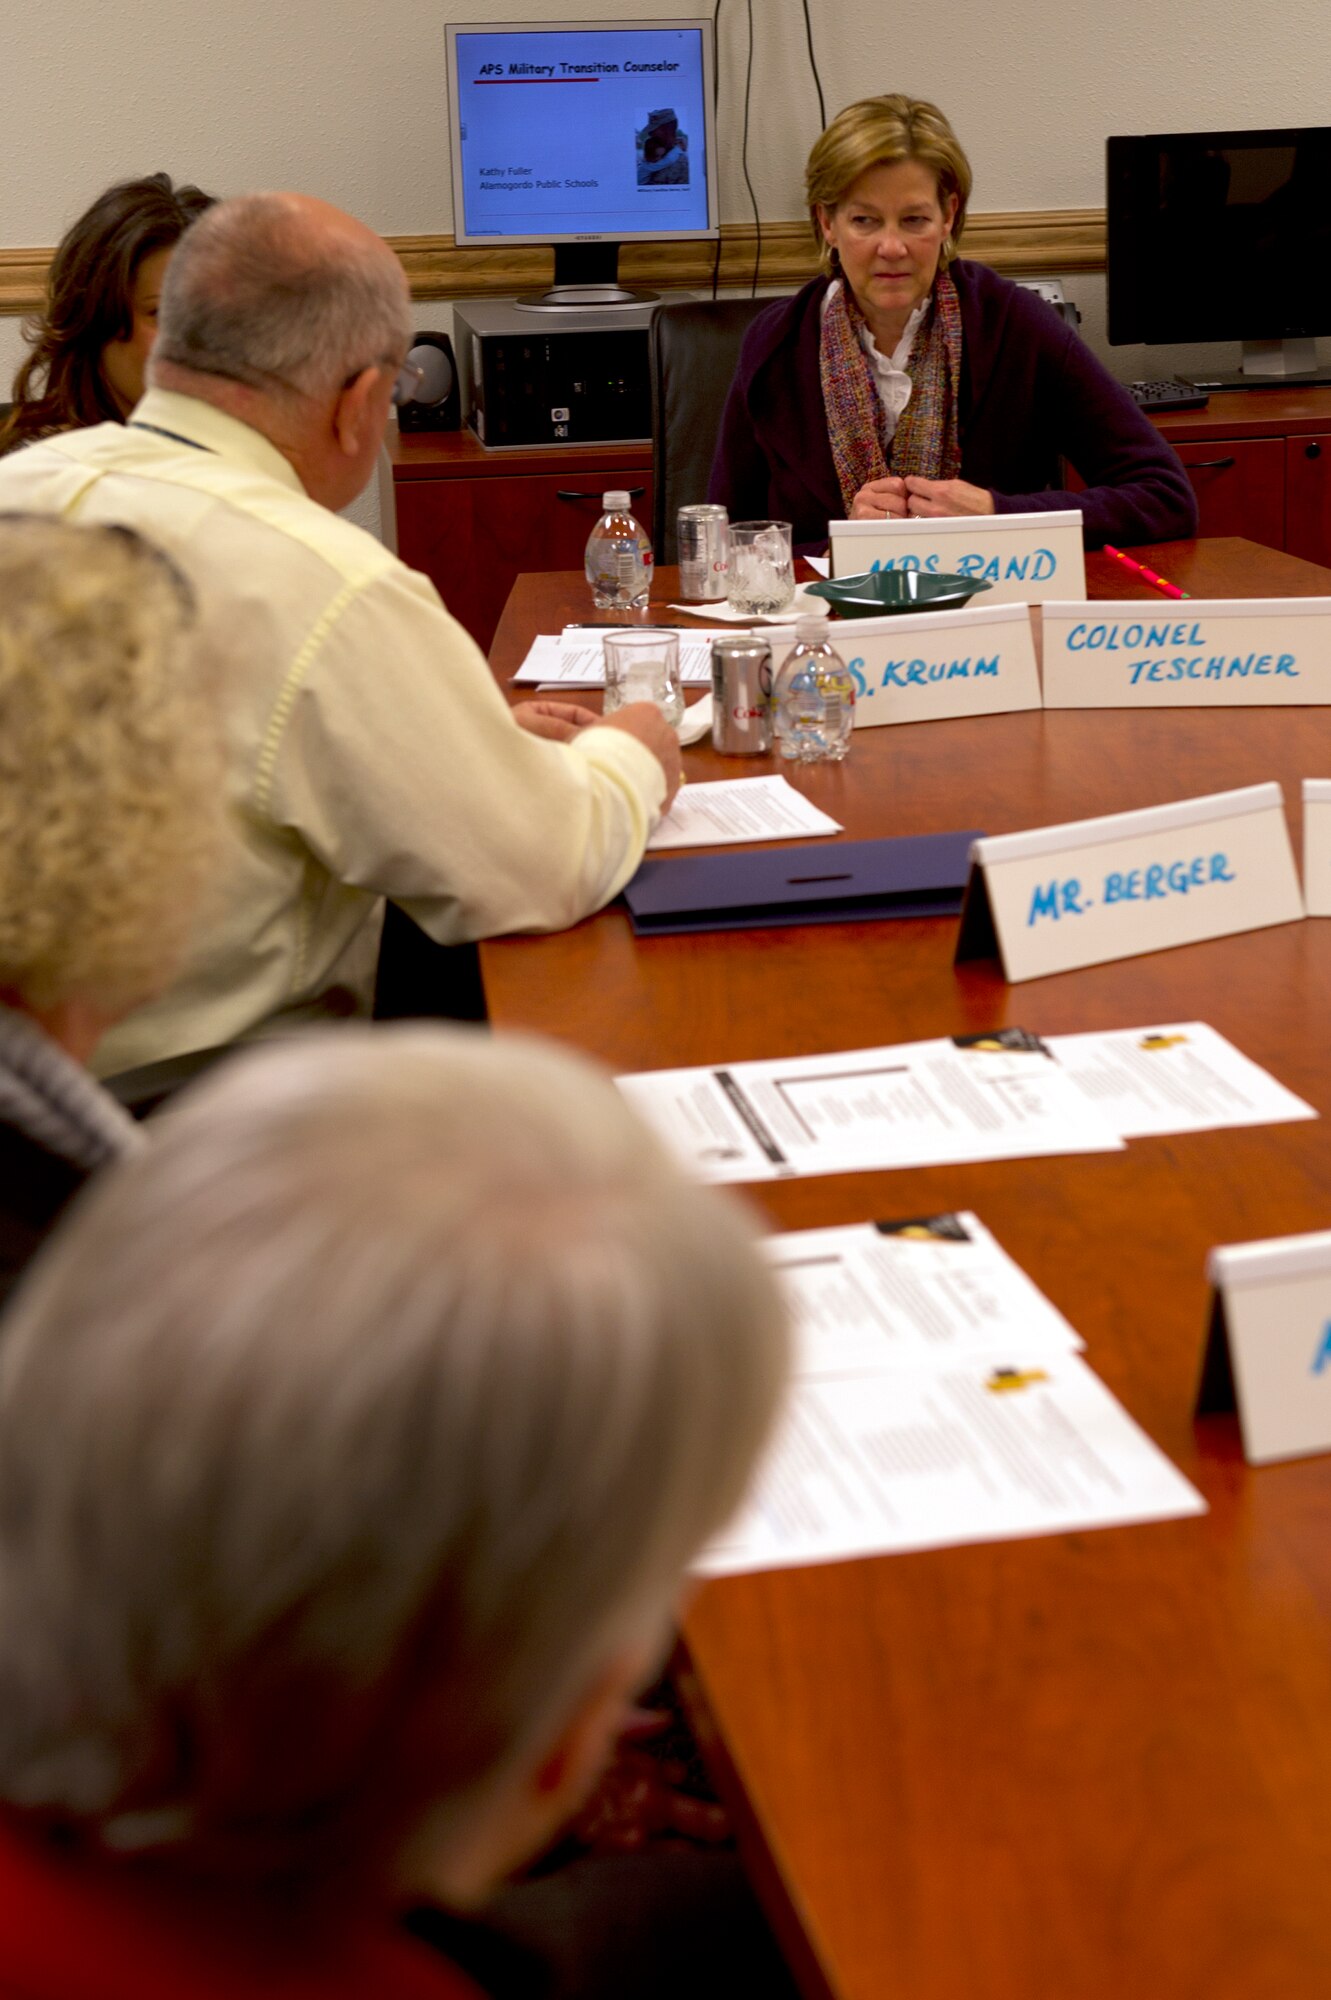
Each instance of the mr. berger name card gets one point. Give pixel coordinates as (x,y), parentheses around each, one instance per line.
(1268,1351)
(935,664)
(1209,653)
(1113,887)
(1025,558)
(1317,846)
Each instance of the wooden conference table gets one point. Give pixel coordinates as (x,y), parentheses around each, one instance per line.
(1085,1765)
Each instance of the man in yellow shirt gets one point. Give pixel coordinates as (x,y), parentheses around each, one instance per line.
(370,751)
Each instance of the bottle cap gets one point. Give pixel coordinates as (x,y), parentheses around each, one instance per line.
(614,502)
(812,625)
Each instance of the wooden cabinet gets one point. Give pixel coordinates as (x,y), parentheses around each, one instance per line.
(1260,461)
(473,520)
(1308,496)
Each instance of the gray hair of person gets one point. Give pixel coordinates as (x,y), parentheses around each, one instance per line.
(110,763)
(348,1435)
(259,298)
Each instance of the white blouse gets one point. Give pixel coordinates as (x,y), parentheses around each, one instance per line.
(890,377)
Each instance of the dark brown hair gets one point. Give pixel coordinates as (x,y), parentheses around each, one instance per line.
(90,290)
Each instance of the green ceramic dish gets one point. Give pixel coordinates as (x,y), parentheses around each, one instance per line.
(882,593)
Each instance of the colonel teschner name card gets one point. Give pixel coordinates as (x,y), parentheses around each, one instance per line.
(1207,653)
(1113,887)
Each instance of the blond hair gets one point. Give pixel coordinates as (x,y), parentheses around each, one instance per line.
(882,132)
(110,773)
(348,1433)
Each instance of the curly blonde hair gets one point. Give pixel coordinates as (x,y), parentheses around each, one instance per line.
(110,764)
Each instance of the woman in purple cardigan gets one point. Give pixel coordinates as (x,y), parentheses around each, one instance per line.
(907,382)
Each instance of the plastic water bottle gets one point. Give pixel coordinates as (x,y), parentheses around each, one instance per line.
(619,558)
(813,697)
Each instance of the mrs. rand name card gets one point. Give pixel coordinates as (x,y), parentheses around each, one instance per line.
(937,665)
(1024,558)
(1268,1351)
(1212,653)
(1091,891)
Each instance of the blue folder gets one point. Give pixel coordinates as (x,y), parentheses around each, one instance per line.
(818,882)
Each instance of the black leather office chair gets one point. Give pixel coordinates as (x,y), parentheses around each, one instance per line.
(694,349)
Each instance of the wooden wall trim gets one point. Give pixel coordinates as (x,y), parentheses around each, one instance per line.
(1028,241)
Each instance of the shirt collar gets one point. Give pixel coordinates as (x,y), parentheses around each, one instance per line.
(202,424)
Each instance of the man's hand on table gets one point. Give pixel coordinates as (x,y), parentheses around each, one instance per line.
(558,721)
(561,721)
(644,720)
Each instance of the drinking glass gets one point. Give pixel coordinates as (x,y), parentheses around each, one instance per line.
(644,666)
(761,578)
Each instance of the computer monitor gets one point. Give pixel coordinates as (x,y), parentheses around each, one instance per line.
(1223,236)
(581,134)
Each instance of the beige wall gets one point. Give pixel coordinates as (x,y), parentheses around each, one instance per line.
(347,98)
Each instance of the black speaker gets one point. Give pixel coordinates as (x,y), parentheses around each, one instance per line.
(437,404)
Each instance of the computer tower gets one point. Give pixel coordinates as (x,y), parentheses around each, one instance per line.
(578,377)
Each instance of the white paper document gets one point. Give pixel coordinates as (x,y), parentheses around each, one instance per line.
(734,809)
(1183,1077)
(919,1104)
(1010,1444)
(575,657)
(909,1294)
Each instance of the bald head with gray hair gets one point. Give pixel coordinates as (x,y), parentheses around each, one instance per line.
(346,1434)
(281,292)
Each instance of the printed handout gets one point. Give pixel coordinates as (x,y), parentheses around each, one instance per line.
(906,1294)
(986,1449)
(918,1104)
(1183,1077)
(737,809)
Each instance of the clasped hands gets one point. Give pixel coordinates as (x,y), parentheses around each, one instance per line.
(894,499)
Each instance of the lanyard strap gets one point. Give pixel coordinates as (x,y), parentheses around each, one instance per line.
(137,424)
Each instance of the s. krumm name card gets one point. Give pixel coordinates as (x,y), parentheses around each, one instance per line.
(1113,887)
(1214,653)
(937,664)
(1024,558)
(1268,1351)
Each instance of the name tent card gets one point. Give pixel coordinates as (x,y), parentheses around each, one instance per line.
(1100,889)
(1209,653)
(934,664)
(1317,846)
(1268,1349)
(1025,558)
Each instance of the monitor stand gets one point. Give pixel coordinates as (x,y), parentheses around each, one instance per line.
(586,280)
(1270,364)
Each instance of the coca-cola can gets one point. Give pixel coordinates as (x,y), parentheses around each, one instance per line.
(703,535)
(741,695)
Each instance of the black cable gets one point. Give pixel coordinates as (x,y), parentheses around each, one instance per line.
(813,65)
(716,164)
(744,154)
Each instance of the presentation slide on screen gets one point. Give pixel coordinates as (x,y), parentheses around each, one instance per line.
(598,131)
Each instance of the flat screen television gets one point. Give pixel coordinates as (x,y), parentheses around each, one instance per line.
(1223,236)
(582,134)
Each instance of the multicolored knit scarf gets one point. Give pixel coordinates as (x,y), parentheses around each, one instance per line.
(927,441)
